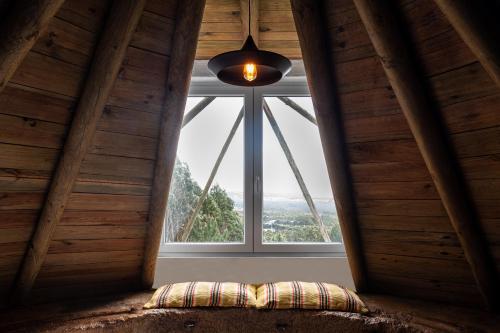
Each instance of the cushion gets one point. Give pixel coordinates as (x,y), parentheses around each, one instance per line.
(193,294)
(308,295)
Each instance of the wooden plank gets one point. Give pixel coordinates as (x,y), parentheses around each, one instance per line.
(118,144)
(116,169)
(88,14)
(31,132)
(79,279)
(104,218)
(429,289)
(384,151)
(462,84)
(390,172)
(65,234)
(404,266)
(250,17)
(396,190)
(95,245)
(20,30)
(106,64)
(67,42)
(386,127)
(477,143)
(417,105)
(401,207)
(472,115)
(310,27)
(415,244)
(61,259)
(17,102)
(103,202)
(165,8)
(188,23)
(406,223)
(479,28)
(65,79)
(154,33)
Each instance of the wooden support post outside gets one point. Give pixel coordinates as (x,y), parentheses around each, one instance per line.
(298,109)
(183,234)
(254,20)
(24,23)
(196,110)
(296,172)
(104,69)
(394,50)
(187,27)
(311,29)
(477,23)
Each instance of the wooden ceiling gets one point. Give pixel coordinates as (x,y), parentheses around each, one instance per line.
(223,27)
(409,242)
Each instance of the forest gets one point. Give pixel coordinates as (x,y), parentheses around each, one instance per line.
(220,220)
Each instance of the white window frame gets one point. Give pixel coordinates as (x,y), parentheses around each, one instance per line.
(253,196)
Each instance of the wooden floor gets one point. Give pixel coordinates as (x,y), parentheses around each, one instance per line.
(397,313)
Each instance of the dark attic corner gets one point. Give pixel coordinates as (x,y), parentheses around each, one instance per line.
(249,166)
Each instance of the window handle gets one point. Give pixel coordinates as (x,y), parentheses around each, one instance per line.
(257,185)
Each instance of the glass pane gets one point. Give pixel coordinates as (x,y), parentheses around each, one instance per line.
(206,196)
(294,169)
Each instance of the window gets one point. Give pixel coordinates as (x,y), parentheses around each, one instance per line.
(250,175)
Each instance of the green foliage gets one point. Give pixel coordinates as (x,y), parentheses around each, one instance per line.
(216,221)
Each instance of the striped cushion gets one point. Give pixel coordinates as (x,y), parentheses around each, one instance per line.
(192,294)
(308,295)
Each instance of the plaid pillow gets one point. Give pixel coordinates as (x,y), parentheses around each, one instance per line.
(308,295)
(193,294)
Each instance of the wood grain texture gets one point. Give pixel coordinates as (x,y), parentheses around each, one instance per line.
(479,28)
(103,72)
(25,22)
(393,48)
(249,14)
(187,27)
(311,30)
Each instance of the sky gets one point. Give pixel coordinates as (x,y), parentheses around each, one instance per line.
(202,139)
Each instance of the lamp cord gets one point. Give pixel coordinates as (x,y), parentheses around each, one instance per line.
(249,17)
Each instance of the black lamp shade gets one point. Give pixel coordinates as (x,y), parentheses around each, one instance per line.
(228,67)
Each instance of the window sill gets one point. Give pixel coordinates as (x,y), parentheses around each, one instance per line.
(251,255)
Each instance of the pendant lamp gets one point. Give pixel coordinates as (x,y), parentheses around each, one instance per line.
(249,66)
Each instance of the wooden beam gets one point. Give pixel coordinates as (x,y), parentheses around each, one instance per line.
(24,23)
(104,69)
(197,109)
(183,234)
(312,32)
(254,19)
(477,24)
(296,172)
(298,109)
(394,49)
(188,22)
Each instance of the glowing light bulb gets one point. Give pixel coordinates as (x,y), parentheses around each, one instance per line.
(250,72)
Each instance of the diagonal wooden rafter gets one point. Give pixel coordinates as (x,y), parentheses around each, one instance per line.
(295,169)
(312,32)
(187,27)
(254,19)
(381,21)
(24,23)
(183,234)
(477,24)
(104,69)
(196,110)
(297,108)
